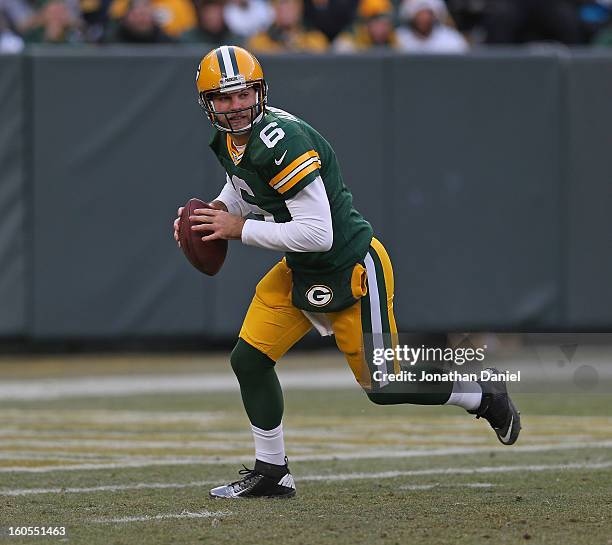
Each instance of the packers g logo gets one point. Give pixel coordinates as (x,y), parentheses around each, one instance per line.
(319,295)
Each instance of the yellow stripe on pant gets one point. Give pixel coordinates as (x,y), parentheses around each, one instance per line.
(273,325)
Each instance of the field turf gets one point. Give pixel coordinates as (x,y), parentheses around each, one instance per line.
(136,468)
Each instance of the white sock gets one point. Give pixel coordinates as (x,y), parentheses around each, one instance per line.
(465,394)
(269,445)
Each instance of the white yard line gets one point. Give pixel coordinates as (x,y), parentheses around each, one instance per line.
(86,416)
(15,419)
(456,471)
(138,462)
(105,488)
(445,485)
(333,478)
(357,440)
(58,456)
(418,486)
(164,516)
(127,445)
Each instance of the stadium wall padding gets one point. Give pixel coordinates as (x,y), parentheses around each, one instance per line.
(475,193)
(587,218)
(119,143)
(487,177)
(14,242)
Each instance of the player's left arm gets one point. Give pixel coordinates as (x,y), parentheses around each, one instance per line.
(223,224)
(224,218)
(309,230)
(310,227)
(292,169)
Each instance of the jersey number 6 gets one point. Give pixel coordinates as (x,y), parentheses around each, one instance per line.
(270,135)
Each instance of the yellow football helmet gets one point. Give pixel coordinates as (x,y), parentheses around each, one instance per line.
(226,69)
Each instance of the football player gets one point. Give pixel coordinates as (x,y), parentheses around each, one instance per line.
(335,276)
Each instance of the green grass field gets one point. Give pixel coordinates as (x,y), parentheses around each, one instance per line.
(136,468)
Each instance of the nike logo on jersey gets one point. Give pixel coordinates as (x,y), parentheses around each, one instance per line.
(277,163)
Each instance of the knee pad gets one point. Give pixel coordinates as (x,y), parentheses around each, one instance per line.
(247,360)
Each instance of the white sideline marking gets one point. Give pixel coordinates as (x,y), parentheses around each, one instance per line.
(183,515)
(148,384)
(338,378)
(138,462)
(331,478)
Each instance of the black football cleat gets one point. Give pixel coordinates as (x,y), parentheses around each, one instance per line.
(263,481)
(497,408)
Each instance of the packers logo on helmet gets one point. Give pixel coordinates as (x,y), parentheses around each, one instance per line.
(226,69)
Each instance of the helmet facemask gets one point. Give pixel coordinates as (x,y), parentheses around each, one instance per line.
(228,85)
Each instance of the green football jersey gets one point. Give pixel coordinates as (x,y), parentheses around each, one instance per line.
(283,155)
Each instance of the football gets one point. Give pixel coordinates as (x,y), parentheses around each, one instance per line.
(207,257)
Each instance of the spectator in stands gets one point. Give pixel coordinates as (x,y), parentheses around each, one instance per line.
(10,42)
(17,15)
(95,15)
(331,17)
(424,29)
(138,26)
(467,16)
(520,21)
(212,29)
(175,17)
(55,22)
(596,17)
(248,17)
(604,37)
(375,29)
(287,32)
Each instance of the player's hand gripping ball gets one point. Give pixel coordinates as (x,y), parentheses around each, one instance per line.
(207,257)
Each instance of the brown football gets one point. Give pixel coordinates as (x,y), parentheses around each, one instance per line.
(207,257)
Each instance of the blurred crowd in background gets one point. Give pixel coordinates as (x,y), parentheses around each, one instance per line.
(314,26)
